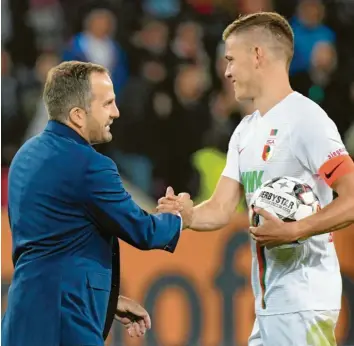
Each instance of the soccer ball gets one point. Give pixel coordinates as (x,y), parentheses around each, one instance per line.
(287,198)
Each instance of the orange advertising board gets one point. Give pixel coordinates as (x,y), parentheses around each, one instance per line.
(201,294)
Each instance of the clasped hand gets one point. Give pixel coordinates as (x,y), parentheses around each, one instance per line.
(178,205)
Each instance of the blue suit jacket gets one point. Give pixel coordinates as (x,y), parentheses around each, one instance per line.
(67,206)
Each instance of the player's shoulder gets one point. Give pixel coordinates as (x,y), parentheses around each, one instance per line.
(308,113)
(246,122)
(305,108)
(241,127)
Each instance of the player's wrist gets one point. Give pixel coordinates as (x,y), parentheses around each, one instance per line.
(301,229)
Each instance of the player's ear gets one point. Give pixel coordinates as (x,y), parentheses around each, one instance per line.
(77,116)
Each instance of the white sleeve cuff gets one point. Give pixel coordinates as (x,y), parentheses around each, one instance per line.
(181,227)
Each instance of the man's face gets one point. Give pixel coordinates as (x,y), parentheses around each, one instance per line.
(241,68)
(103,109)
(101,24)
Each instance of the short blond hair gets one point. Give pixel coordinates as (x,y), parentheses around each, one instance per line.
(275,24)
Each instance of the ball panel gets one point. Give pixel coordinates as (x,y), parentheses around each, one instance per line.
(302,212)
(287,198)
(307,197)
(284,185)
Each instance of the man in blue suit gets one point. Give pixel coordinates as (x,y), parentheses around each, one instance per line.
(67,207)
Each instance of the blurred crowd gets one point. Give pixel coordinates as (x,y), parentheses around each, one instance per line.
(166,58)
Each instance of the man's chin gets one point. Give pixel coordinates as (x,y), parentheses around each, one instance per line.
(105,139)
(242,97)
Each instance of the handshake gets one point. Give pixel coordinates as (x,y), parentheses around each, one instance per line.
(178,205)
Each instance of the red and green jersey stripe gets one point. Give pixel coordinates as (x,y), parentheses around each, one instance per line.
(262,266)
(273,132)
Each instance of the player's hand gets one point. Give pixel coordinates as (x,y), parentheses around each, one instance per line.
(170,203)
(133,317)
(273,232)
(181,204)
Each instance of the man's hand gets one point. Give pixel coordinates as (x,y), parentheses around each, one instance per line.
(274,231)
(133,316)
(181,204)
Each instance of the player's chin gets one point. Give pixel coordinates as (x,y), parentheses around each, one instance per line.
(241,95)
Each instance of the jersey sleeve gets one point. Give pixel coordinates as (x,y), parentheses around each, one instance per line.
(319,147)
(232,168)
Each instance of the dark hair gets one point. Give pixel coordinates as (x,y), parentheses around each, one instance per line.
(67,86)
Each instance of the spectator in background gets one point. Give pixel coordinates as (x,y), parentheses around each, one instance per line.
(308,29)
(47,20)
(162,9)
(202,7)
(12,119)
(225,110)
(35,107)
(187,45)
(326,84)
(189,122)
(139,135)
(226,114)
(151,42)
(6,22)
(96,44)
(248,7)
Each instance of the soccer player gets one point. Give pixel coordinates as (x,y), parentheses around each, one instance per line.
(297,290)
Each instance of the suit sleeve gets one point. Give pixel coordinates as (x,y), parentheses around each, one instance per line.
(319,147)
(114,211)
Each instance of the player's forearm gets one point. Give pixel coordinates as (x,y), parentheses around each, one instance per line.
(337,215)
(209,216)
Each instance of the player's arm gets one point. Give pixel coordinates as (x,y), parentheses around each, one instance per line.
(217,211)
(340,213)
(322,151)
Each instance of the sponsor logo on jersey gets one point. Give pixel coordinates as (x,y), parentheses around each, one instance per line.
(269,146)
(251,180)
(339,152)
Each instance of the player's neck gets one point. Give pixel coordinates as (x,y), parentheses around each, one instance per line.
(273,93)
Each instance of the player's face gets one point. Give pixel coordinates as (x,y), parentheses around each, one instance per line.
(103,109)
(240,69)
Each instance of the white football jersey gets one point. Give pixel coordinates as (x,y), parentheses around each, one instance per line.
(295,138)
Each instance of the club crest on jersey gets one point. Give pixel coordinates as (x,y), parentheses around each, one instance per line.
(268,148)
